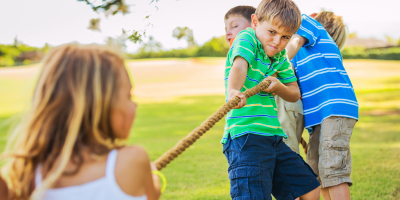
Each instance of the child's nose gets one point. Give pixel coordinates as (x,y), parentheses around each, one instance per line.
(277,40)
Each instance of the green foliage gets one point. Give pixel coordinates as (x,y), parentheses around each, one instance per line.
(94,24)
(216,47)
(184,32)
(113,7)
(392,53)
(136,36)
(6,61)
(9,50)
(151,46)
(9,54)
(174,53)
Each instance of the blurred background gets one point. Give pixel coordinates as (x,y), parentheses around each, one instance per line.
(175,52)
(173,28)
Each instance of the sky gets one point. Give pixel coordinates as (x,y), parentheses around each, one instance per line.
(36,22)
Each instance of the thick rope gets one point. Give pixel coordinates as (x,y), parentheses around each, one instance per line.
(182,145)
(304,145)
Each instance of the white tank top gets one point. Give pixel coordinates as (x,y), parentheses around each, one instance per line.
(101,189)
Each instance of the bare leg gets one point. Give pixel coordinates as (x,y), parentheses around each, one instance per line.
(313,195)
(340,192)
(325,194)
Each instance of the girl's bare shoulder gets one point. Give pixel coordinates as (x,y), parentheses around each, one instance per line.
(131,169)
(134,155)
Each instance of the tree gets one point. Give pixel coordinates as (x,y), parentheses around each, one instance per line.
(216,47)
(116,43)
(112,7)
(151,46)
(16,42)
(46,48)
(184,32)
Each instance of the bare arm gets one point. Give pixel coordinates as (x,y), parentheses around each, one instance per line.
(294,45)
(133,173)
(288,91)
(3,189)
(153,190)
(236,79)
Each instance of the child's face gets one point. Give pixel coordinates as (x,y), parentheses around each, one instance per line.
(233,25)
(273,38)
(123,109)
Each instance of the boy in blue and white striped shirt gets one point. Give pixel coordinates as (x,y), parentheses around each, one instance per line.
(329,102)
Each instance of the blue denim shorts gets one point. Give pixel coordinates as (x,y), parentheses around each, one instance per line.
(263,165)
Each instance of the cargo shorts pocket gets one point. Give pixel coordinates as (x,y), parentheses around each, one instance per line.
(296,107)
(335,158)
(245,182)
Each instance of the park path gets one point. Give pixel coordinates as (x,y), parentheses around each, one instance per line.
(156,79)
(168,78)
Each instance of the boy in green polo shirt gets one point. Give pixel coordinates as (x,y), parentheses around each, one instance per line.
(290,114)
(260,164)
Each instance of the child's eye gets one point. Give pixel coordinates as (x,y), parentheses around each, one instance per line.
(235,26)
(286,37)
(272,32)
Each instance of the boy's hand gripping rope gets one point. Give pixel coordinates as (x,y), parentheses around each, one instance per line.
(182,145)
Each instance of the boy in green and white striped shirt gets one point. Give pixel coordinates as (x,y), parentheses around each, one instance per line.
(260,164)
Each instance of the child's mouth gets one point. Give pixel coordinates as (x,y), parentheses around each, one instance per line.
(272,47)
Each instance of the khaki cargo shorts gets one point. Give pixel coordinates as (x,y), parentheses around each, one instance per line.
(329,151)
(291,118)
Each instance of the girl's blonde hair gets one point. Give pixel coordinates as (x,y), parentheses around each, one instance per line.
(70,111)
(334,25)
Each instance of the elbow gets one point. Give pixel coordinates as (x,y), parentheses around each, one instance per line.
(294,98)
(158,195)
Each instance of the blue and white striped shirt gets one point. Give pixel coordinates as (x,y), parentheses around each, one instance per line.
(325,86)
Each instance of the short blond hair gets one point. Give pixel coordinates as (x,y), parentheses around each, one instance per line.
(243,11)
(281,12)
(334,25)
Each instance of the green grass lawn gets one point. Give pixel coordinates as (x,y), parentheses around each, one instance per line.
(201,171)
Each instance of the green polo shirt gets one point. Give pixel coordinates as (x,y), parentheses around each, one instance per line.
(259,116)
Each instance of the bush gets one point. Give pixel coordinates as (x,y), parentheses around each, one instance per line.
(17,54)
(174,53)
(392,53)
(26,62)
(6,61)
(216,47)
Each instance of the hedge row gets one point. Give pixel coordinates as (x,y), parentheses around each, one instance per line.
(216,47)
(20,54)
(392,53)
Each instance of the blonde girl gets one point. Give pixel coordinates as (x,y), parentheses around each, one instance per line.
(69,145)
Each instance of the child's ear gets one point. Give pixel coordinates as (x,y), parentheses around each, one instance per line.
(254,21)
